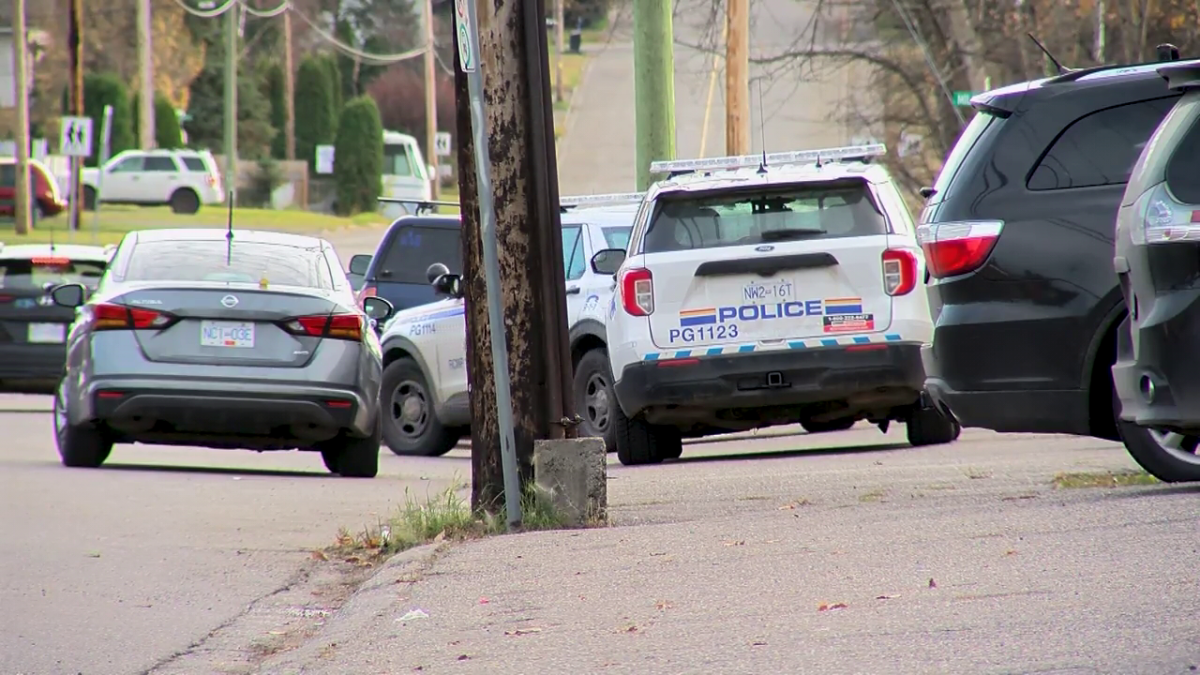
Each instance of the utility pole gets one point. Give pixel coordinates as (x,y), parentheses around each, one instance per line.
(289,87)
(231,66)
(1101,29)
(653,85)
(558,49)
(145,52)
(75,45)
(21,210)
(431,102)
(737,79)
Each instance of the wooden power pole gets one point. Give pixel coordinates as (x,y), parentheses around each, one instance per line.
(289,88)
(737,79)
(75,45)
(23,206)
(431,102)
(145,53)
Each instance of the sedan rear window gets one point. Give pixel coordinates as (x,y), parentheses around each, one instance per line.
(36,273)
(241,262)
(828,209)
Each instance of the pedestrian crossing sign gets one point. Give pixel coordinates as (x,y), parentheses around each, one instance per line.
(76,139)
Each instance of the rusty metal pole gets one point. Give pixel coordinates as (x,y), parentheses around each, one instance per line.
(75,46)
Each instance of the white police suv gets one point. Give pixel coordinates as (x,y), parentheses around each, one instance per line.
(425,371)
(768,290)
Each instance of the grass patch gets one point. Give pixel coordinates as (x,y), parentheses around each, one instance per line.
(872,496)
(115,221)
(1103,479)
(446,516)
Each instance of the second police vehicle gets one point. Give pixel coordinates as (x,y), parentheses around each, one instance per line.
(768,290)
(425,396)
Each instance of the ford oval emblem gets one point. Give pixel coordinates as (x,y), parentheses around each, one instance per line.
(764,248)
(229,301)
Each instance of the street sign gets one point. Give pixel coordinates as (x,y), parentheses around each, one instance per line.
(441,143)
(76,139)
(962,98)
(324,159)
(466,41)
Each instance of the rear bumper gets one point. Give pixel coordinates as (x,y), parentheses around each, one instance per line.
(1159,386)
(1014,411)
(775,378)
(146,408)
(38,365)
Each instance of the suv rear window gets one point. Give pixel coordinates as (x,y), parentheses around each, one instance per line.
(1100,148)
(1183,168)
(970,135)
(35,273)
(830,209)
(194,164)
(414,248)
(244,262)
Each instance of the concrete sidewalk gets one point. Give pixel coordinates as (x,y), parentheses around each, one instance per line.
(870,558)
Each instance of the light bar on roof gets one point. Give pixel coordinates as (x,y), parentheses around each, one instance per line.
(843,154)
(614,198)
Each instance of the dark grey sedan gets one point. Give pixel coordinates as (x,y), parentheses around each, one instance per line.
(244,340)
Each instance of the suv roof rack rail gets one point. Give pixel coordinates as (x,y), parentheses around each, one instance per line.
(567,203)
(850,153)
(423,205)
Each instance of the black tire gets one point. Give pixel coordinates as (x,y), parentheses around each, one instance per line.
(89,198)
(929,426)
(352,457)
(412,429)
(595,398)
(639,442)
(185,201)
(1171,458)
(78,446)
(814,427)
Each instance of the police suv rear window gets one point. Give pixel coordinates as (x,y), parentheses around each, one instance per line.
(762,214)
(35,273)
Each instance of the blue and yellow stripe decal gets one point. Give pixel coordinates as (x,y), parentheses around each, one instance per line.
(814,343)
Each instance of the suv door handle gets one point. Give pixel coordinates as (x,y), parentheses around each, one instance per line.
(572,290)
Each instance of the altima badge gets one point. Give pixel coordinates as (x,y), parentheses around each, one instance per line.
(229,301)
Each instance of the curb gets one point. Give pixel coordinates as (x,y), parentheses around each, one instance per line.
(18,411)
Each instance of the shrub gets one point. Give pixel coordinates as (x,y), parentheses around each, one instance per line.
(277,93)
(358,157)
(314,109)
(99,90)
(266,179)
(400,95)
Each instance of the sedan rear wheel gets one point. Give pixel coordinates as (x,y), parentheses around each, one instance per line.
(78,446)
(352,457)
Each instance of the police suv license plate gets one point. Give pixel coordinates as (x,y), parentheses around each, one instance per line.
(47,333)
(227,334)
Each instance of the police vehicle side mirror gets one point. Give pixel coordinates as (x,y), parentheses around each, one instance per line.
(448,284)
(377,308)
(608,261)
(69,295)
(359,264)
(435,271)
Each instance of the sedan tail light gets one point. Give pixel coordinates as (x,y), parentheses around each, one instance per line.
(899,271)
(956,248)
(337,326)
(637,291)
(107,316)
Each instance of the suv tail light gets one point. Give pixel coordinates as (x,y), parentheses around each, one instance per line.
(120,317)
(637,291)
(899,271)
(337,326)
(956,248)
(1166,221)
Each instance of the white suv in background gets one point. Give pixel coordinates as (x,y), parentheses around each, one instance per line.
(181,179)
(768,290)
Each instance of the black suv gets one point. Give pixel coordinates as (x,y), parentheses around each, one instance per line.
(1018,235)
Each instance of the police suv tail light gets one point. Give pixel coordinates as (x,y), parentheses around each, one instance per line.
(637,291)
(957,248)
(899,271)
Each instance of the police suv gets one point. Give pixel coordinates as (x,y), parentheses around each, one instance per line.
(768,290)
(425,372)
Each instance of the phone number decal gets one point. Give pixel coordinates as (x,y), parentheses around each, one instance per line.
(725,331)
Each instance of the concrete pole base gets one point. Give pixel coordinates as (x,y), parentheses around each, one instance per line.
(573,473)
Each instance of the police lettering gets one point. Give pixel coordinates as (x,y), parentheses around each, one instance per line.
(779,310)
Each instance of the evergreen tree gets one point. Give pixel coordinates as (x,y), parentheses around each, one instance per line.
(167,133)
(103,89)
(330,62)
(358,157)
(315,118)
(277,93)
(206,126)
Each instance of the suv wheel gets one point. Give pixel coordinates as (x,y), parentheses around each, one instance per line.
(1167,456)
(823,427)
(185,201)
(929,426)
(89,198)
(595,397)
(78,446)
(639,442)
(410,424)
(354,457)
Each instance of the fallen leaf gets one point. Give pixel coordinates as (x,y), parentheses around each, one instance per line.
(758,643)
(484,601)
(664,604)
(93,555)
(523,631)
(441,536)
(1011,552)
(735,543)
(463,657)
(413,614)
(277,632)
(631,628)
(886,597)
(932,583)
(825,607)
(319,555)
(662,553)
(353,560)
